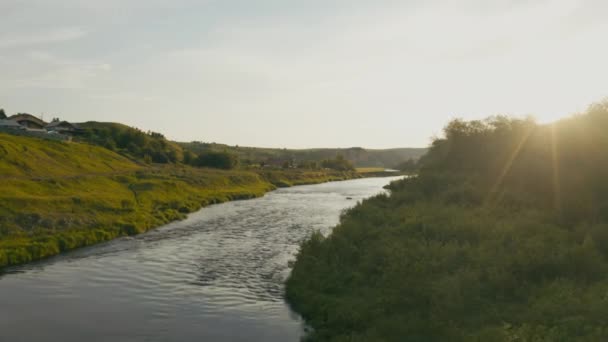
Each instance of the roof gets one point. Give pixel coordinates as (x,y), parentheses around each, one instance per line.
(25,116)
(59,123)
(9,123)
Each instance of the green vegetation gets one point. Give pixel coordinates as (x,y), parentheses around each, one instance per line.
(369,169)
(58,196)
(152,147)
(218,160)
(309,158)
(338,163)
(291,177)
(502,236)
(132,142)
(2,114)
(409,166)
(24,157)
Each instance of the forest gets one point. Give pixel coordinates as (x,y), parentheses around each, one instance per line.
(502,235)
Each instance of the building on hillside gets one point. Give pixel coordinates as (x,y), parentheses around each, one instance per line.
(10,124)
(28,121)
(62,127)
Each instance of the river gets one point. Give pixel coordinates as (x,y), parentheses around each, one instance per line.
(216,276)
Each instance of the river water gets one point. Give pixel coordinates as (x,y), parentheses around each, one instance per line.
(216,276)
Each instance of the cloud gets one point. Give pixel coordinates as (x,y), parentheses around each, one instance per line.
(63,77)
(42,69)
(41,37)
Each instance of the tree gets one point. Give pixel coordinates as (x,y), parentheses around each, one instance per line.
(407,166)
(2,114)
(339,164)
(189,157)
(218,160)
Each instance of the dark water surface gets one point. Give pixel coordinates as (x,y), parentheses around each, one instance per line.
(216,276)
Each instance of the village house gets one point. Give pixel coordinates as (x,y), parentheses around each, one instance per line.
(27,124)
(62,127)
(28,121)
(10,124)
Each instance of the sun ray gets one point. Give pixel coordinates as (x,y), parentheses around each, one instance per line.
(492,196)
(555,168)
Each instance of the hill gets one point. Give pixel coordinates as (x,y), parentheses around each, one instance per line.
(23,157)
(154,147)
(502,236)
(360,157)
(57,196)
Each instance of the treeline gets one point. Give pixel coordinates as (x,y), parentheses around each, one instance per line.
(220,160)
(339,163)
(150,147)
(502,236)
(359,157)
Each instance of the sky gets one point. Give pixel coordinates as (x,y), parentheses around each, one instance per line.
(298,74)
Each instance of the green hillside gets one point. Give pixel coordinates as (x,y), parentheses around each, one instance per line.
(26,157)
(502,236)
(57,196)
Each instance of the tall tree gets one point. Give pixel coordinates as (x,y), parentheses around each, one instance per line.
(2,114)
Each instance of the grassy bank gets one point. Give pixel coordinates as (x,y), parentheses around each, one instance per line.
(502,236)
(58,196)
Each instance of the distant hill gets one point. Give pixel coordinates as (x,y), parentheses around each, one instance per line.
(154,147)
(360,157)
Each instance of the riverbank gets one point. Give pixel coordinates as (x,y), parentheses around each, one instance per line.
(502,236)
(60,196)
(215,276)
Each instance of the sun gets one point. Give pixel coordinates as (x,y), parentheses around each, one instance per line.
(549,117)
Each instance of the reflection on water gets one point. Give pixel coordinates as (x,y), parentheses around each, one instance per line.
(216,276)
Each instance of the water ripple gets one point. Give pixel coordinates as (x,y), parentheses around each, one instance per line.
(216,276)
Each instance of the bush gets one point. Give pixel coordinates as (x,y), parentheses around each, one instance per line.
(218,160)
(339,164)
(502,236)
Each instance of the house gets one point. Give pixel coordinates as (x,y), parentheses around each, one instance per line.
(28,121)
(10,124)
(62,127)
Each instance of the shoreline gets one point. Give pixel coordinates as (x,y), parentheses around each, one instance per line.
(23,249)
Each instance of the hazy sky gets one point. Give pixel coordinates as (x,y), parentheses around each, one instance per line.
(309,73)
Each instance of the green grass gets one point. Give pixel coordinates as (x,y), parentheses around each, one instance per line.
(31,157)
(292,177)
(370,169)
(60,196)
